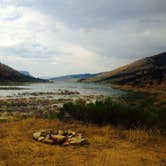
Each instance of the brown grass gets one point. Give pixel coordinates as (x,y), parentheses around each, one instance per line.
(108,146)
(158,90)
(155,88)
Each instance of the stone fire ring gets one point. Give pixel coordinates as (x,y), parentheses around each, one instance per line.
(60,137)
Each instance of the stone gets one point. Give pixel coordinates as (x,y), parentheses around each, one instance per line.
(69,136)
(65,133)
(45,132)
(58,138)
(36,135)
(48,136)
(48,141)
(74,133)
(54,132)
(70,132)
(40,139)
(61,132)
(66,143)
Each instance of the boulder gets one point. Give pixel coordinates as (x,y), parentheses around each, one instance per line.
(48,141)
(36,135)
(58,138)
(40,139)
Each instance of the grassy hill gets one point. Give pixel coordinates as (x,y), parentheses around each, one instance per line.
(8,74)
(150,70)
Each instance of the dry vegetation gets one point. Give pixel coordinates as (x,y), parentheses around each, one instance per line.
(150,88)
(108,146)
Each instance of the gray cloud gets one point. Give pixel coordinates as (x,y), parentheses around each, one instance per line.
(107,31)
(86,14)
(99,13)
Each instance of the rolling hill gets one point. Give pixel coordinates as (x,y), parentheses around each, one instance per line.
(73,77)
(147,71)
(8,74)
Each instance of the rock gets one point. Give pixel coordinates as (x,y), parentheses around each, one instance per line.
(65,133)
(54,132)
(58,138)
(70,132)
(73,133)
(48,136)
(61,137)
(40,139)
(48,141)
(61,132)
(36,135)
(77,141)
(45,132)
(69,136)
(66,143)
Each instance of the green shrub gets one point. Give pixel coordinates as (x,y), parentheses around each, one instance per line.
(108,111)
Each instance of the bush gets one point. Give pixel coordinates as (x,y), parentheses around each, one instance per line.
(108,111)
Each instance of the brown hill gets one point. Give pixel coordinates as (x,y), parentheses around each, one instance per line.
(7,74)
(150,70)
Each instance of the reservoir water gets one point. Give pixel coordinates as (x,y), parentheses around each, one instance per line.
(82,88)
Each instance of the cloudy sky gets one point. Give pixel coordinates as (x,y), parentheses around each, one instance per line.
(59,37)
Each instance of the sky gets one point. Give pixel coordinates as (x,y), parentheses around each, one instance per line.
(60,37)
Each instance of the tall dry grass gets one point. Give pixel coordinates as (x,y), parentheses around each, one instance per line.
(109,146)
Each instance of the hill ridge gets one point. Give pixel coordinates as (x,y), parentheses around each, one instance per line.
(145,71)
(8,74)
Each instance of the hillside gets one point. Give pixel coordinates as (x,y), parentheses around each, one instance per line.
(8,74)
(25,73)
(150,70)
(73,77)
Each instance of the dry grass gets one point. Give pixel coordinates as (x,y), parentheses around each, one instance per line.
(158,90)
(155,88)
(109,146)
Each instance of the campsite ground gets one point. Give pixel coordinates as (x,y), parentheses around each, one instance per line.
(108,145)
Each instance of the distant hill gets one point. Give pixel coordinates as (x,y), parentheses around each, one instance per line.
(8,74)
(150,70)
(73,77)
(26,73)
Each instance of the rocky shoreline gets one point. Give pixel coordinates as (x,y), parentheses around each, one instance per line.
(39,104)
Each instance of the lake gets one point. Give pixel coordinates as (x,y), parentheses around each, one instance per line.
(82,88)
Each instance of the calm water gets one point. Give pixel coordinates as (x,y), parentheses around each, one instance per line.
(83,88)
